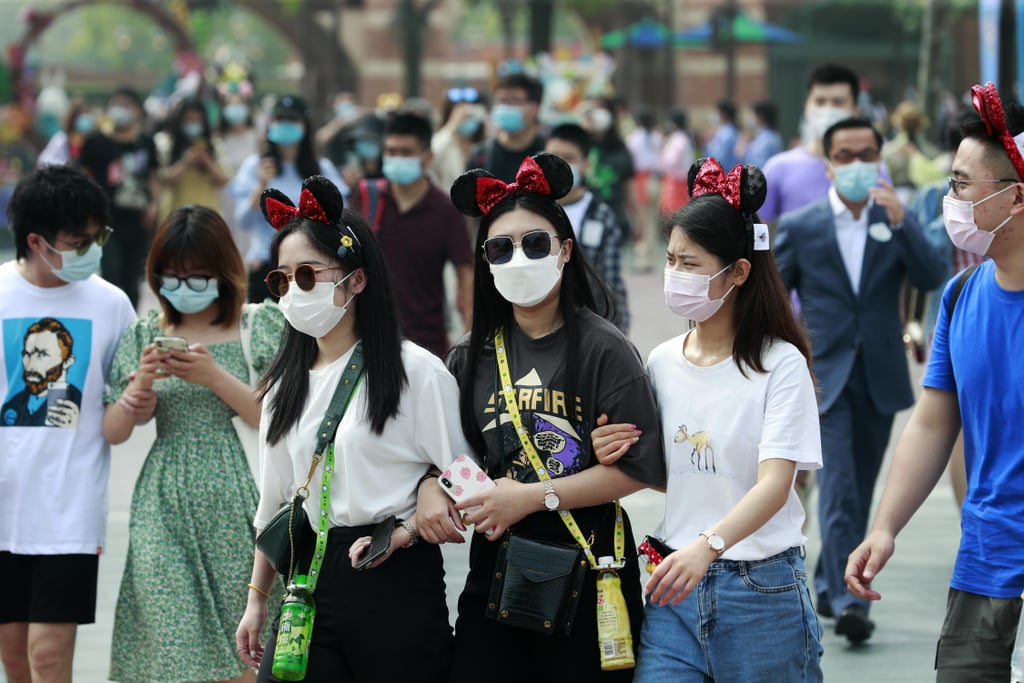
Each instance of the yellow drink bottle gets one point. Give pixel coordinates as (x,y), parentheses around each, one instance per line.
(614,637)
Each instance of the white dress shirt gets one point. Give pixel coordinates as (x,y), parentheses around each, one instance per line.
(851,235)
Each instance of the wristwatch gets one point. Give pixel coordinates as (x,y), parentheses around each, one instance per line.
(715,542)
(551,501)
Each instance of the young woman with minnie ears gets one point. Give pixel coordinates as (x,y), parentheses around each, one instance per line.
(535,312)
(737,405)
(401,420)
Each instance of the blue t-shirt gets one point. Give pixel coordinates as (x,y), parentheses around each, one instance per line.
(978,356)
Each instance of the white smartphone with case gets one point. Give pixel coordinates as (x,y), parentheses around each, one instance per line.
(464,479)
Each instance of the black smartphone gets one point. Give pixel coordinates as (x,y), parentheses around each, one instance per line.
(270,151)
(379,545)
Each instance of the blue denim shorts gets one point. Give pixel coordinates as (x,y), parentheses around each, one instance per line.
(745,621)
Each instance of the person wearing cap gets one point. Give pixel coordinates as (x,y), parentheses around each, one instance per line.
(973,383)
(848,255)
(123,161)
(287,158)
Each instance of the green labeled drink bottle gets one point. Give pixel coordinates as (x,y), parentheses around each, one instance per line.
(293,632)
(614,636)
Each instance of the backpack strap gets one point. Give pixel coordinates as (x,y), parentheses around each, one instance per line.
(371,192)
(958,287)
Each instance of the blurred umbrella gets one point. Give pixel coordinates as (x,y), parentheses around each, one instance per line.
(644,33)
(742,29)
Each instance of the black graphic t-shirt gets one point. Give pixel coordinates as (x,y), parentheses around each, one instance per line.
(122,169)
(610,379)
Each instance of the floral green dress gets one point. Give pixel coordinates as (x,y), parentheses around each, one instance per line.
(190,543)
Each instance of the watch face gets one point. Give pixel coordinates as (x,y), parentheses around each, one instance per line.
(716,542)
(551,501)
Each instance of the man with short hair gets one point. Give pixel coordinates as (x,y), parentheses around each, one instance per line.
(722,144)
(797,176)
(60,326)
(515,111)
(419,230)
(766,141)
(848,255)
(123,162)
(593,222)
(973,382)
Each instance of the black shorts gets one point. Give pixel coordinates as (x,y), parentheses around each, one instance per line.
(48,589)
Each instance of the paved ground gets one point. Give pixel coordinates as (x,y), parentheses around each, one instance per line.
(914,584)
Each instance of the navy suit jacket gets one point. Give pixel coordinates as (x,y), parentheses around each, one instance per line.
(842,323)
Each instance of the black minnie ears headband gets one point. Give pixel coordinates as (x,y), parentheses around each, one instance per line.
(320,201)
(744,187)
(476,192)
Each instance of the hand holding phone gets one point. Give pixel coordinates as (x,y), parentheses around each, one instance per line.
(380,543)
(464,479)
(166,344)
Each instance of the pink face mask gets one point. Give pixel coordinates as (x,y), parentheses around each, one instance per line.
(963,231)
(687,294)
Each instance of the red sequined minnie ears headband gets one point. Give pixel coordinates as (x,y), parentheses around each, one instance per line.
(987,104)
(491,191)
(712,179)
(280,214)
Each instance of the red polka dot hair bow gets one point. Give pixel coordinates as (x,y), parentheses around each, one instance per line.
(530,178)
(280,214)
(711,179)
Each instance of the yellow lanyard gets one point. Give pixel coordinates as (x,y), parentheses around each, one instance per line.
(511,405)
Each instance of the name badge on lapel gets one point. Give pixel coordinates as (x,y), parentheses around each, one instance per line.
(880,232)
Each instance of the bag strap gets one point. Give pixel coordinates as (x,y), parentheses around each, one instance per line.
(958,287)
(325,451)
(245,335)
(372,194)
(538,466)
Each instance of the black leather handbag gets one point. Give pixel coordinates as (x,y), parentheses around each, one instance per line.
(537,585)
(281,539)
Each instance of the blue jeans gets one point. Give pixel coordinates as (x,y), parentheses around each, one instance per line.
(745,621)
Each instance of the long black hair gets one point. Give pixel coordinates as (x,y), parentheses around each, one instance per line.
(376,321)
(580,286)
(180,143)
(306,162)
(763,311)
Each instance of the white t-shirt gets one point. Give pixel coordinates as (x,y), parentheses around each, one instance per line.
(54,468)
(375,475)
(718,426)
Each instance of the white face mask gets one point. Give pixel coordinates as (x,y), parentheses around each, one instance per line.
(313,312)
(524,281)
(964,233)
(820,119)
(687,294)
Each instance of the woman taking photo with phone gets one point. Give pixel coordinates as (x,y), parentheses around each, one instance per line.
(739,418)
(190,171)
(538,334)
(184,581)
(286,159)
(400,420)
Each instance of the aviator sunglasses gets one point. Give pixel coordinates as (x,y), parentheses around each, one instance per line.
(102,237)
(304,276)
(535,244)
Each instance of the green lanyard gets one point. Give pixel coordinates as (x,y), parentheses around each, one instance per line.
(511,405)
(343,393)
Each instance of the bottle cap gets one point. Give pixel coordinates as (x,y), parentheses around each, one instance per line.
(300,581)
(606,561)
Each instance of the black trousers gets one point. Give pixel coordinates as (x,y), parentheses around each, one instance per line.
(123,263)
(384,624)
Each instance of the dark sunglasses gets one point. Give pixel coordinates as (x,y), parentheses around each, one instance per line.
(463,94)
(197,283)
(278,281)
(536,244)
(102,237)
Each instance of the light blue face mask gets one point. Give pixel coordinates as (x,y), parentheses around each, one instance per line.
(344,110)
(286,133)
(576,177)
(367,149)
(402,170)
(121,117)
(236,113)
(185,300)
(193,130)
(469,127)
(77,268)
(85,123)
(855,180)
(508,118)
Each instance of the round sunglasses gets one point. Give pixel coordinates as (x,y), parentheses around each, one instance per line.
(535,244)
(197,283)
(278,281)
